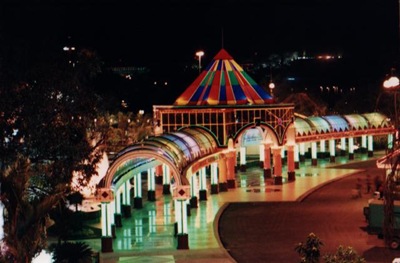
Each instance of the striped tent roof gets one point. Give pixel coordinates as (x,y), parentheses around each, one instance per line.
(223,82)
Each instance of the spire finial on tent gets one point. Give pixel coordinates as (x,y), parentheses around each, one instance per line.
(222,37)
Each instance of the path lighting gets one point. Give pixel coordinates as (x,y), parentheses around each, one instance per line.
(391,84)
(271,88)
(200,54)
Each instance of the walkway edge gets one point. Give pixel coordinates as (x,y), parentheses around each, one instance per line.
(216,232)
(310,191)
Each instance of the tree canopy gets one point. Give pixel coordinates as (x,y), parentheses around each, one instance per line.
(47,113)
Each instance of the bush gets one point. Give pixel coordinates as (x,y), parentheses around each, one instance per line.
(310,252)
(344,255)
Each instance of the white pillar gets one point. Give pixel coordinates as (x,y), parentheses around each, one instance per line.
(193,185)
(138,185)
(243,159)
(214,173)
(302,149)
(322,146)
(332,150)
(390,141)
(364,141)
(261,152)
(343,144)
(126,192)
(106,220)
(151,182)
(370,146)
(117,202)
(166,175)
(314,153)
(351,148)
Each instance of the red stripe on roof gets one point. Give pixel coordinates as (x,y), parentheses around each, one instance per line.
(188,93)
(213,97)
(222,55)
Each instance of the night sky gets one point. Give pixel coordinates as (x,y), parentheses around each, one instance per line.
(168,33)
(156,31)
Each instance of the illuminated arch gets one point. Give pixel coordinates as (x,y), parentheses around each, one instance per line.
(177,150)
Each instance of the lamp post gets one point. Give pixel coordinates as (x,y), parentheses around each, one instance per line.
(200,54)
(391,84)
(271,88)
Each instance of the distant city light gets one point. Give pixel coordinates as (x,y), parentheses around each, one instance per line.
(68,48)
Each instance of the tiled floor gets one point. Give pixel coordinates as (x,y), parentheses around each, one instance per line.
(148,236)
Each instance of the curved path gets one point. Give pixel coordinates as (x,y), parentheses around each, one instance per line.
(269,231)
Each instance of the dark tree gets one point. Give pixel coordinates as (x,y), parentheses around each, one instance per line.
(47,110)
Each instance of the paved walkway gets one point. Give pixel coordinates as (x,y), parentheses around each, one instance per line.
(148,235)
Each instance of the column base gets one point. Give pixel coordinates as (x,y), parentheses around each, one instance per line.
(243,168)
(314,162)
(118,220)
(261,164)
(126,211)
(183,241)
(158,179)
(214,189)
(342,153)
(137,202)
(193,202)
(332,159)
(296,165)
(113,229)
(351,156)
(370,153)
(302,158)
(363,150)
(267,173)
(106,244)
(278,180)
(291,176)
(203,195)
(231,183)
(166,189)
(151,195)
(188,212)
(175,229)
(223,187)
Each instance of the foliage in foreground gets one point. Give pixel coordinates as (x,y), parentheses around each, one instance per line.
(310,252)
(46,120)
(69,252)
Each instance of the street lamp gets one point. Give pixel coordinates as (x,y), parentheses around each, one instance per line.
(200,54)
(271,88)
(391,84)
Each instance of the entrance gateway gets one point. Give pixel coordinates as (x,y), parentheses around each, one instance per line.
(220,119)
